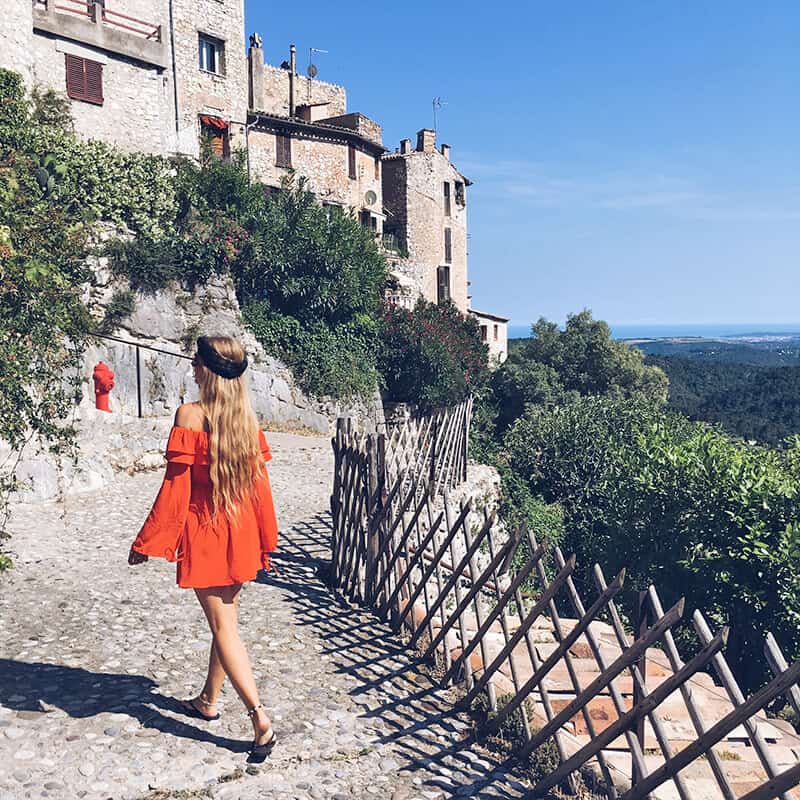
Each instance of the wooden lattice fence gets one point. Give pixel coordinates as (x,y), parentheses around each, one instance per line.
(489,608)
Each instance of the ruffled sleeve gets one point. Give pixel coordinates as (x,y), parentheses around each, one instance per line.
(265,508)
(262,443)
(161,533)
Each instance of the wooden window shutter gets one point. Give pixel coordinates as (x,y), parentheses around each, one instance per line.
(443,284)
(84,79)
(351,161)
(94,81)
(448,245)
(283,150)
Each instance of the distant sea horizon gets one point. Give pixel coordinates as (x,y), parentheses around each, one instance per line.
(668,331)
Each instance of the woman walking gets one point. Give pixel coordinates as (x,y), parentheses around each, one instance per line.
(215,517)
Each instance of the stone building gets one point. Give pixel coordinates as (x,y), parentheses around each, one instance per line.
(494,333)
(300,126)
(145,75)
(425,197)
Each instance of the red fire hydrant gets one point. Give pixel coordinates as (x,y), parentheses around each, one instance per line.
(103,383)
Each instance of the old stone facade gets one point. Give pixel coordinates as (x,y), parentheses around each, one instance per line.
(494,333)
(424,195)
(339,153)
(126,82)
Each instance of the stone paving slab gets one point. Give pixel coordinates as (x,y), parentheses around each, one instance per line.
(93,654)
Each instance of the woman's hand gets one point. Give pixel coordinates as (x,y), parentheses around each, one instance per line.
(135,558)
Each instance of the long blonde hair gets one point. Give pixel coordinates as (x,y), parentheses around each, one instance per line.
(234,455)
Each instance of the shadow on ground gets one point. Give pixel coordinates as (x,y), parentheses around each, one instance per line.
(421,724)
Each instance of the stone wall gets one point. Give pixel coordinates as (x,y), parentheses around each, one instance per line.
(171,320)
(135,114)
(202,92)
(324,163)
(274,95)
(16,25)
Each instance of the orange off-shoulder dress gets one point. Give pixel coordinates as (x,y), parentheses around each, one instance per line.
(210,550)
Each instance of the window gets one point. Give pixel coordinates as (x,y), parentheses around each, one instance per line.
(84,79)
(351,161)
(496,331)
(377,169)
(448,245)
(443,284)
(214,133)
(369,221)
(447,198)
(460,198)
(283,150)
(483,333)
(212,54)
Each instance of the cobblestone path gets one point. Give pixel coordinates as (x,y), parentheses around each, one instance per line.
(93,654)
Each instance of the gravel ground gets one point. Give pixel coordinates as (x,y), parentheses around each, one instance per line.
(93,654)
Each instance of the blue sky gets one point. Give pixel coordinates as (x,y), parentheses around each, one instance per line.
(641,159)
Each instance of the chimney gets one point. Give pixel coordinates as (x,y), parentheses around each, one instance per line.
(405,146)
(426,140)
(255,62)
(292,69)
(446,151)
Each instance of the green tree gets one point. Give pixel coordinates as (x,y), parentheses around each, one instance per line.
(554,365)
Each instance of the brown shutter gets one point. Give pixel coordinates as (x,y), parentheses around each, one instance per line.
(84,79)
(351,161)
(447,198)
(283,150)
(448,245)
(76,81)
(94,81)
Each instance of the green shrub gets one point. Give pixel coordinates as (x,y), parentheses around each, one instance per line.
(679,504)
(334,361)
(431,356)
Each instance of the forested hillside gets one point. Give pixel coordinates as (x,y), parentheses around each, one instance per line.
(753,402)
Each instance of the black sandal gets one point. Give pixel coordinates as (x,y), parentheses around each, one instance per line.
(259,752)
(191,710)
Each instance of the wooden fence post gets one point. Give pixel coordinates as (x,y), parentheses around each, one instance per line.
(640,620)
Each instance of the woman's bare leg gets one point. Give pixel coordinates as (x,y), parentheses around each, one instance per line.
(220,607)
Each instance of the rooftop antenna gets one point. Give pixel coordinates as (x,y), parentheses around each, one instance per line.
(312,70)
(437,103)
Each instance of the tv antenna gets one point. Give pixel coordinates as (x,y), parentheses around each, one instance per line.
(437,103)
(311,71)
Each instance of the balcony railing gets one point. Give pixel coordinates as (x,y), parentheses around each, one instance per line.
(97,12)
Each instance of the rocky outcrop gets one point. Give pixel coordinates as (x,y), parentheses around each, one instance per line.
(159,378)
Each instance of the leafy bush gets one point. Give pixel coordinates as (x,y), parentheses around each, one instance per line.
(42,267)
(679,504)
(431,356)
(336,361)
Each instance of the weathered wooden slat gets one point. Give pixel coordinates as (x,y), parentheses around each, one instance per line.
(454,578)
(652,701)
(695,716)
(621,663)
(477,586)
(561,651)
(500,606)
(737,698)
(778,664)
(776,787)
(536,611)
(638,680)
(399,549)
(777,686)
